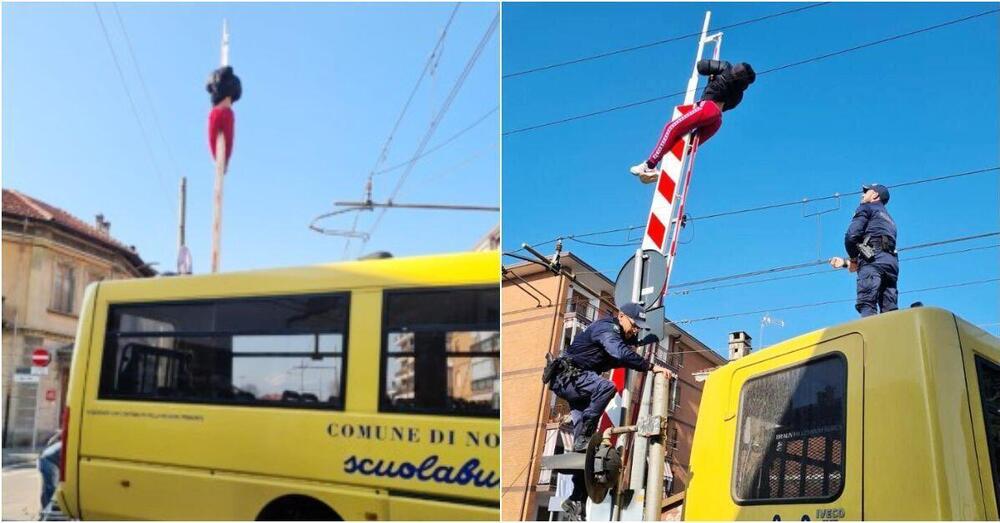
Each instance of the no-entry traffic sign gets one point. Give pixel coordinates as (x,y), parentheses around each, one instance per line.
(40,358)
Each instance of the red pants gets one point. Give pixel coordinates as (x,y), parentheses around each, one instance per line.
(706,118)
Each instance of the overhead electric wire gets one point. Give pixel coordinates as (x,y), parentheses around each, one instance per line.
(658,42)
(761,73)
(145,91)
(821,262)
(828,302)
(438,117)
(687,292)
(444,143)
(785,268)
(776,309)
(135,110)
(758,208)
(413,92)
(839,195)
(383,154)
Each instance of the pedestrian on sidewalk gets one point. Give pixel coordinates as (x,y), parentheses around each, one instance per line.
(48,466)
(726,83)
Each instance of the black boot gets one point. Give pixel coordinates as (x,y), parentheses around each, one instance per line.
(581,442)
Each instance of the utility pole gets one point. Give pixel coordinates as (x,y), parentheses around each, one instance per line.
(181,213)
(220,168)
(183,253)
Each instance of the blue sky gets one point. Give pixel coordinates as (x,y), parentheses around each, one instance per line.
(914,108)
(323,84)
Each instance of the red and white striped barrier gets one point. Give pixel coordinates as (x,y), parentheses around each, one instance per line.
(658,224)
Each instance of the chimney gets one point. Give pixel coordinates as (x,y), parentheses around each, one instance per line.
(739,345)
(102,225)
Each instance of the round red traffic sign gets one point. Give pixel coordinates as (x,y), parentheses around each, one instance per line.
(40,358)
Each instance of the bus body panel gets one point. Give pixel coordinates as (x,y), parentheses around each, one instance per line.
(453,460)
(66,493)
(977,343)
(918,431)
(405,508)
(710,495)
(118,490)
(912,397)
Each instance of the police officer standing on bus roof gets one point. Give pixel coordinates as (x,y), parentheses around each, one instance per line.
(871,250)
(576,375)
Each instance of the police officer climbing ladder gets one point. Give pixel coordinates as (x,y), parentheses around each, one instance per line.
(575,376)
(871,252)
(606,344)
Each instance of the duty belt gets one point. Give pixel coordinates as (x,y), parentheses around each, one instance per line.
(872,245)
(561,367)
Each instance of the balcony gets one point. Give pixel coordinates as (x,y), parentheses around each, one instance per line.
(581,312)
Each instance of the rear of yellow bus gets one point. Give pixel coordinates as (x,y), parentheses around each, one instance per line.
(886,418)
(412,431)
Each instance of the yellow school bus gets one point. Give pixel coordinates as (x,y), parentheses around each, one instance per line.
(363,390)
(892,417)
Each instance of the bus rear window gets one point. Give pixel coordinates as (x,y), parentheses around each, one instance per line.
(790,442)
(441,352)
(283,351)
(989,391)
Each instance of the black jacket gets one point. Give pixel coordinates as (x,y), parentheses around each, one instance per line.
(726,82)
(601,347)
(871,219)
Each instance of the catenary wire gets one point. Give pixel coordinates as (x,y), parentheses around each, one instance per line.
(439,116)
(658,42)
(135,110)
(444,143)
(764,72)
(821,262)
(687,292)
(785,268)
(759,208)
(776,309)
(383,154)
(828,302)
(145,92)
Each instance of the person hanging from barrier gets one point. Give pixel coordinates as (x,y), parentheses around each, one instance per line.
(726,83)
(224,89)
(871,249)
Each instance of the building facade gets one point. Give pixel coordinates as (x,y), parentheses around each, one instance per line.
(49,258)
(542,312)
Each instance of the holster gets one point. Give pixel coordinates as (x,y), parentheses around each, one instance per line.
(558,368)
(872,245)
(551,369)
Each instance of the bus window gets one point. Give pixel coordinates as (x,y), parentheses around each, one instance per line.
(989,389)
(280,351)
(441,337)
(791,434)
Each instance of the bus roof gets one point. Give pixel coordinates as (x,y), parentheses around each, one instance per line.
(900,321)
(439,270)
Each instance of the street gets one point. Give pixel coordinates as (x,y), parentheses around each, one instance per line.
(22,486)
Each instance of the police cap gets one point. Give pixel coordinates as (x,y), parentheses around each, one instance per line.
(883,193)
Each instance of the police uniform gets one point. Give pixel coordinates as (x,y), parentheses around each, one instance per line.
(598,349)
(878,275)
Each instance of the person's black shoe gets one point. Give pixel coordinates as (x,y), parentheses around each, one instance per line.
(580,444)
(573,509)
